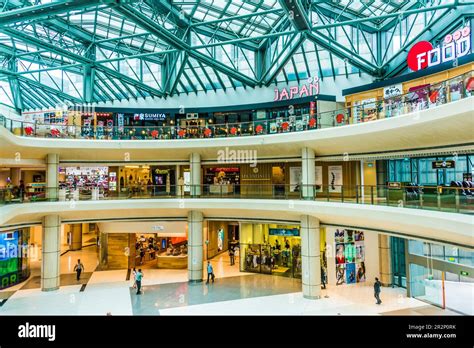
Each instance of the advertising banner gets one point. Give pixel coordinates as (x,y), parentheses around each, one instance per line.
(335,178)
(295,179)
(318,178)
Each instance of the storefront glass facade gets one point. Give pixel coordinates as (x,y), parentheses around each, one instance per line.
(420,170)
(399,275)
(14,257)
(442,275)
(441,252)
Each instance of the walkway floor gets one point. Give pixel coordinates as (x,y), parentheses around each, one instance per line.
(167,292)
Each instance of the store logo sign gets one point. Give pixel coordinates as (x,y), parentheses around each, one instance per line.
(311,88)
(423,55)
(149,117)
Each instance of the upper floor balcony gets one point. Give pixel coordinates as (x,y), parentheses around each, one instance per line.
(420,120)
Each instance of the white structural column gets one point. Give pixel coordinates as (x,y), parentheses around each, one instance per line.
(307,173)
(195,254)
(310,257)
(51,252)
(195,167)
(52,164)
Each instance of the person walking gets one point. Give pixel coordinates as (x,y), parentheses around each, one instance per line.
(134,275)
(78,268)
(377,286)
(323,277)
(210,272)
(138,281)
(232,256)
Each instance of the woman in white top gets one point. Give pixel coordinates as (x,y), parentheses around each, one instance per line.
(134,274)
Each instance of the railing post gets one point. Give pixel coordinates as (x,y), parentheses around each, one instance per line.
(357,193)
(342,194)
(372,195)
(457,200)
(438,197)
(421,198)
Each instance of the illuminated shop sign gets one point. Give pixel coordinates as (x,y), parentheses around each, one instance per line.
(149,117)
(311,88)
(442,164)
(423,55)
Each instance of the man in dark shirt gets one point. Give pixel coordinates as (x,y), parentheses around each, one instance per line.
(377,286)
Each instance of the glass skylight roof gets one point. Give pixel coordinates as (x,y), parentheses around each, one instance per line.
(159,48)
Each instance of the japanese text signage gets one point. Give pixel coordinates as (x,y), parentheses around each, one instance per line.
(423,55)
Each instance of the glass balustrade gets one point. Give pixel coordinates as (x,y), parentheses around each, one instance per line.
(447,199)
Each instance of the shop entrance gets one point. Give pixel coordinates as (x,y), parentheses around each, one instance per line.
(153,251)
(271,249)
(150,245)
(222,180)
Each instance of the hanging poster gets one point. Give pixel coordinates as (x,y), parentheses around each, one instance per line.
(220,239)
(335,178)
(360,271)
(339,236)
(340,257)
(187,181)
(295,179)
(273,127)
(350,273)
(350,256)
(340,274)
(318,178)
(100,129)
(120,122)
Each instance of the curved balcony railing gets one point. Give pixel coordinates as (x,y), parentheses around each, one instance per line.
(441,198)
(425,97)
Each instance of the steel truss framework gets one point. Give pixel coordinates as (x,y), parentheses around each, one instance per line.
(85,51)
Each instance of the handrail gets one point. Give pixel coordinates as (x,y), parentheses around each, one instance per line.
(458,87)
(441,198)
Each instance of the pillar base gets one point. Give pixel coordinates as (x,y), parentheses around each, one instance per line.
(312,297)
(195,281)
(50,289)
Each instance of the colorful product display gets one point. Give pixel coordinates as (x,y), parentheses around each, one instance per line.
(350,257)
(14,265)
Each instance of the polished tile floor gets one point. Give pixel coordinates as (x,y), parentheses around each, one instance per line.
(167,292)
(157,297)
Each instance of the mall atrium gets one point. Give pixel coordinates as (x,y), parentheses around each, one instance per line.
(300,149)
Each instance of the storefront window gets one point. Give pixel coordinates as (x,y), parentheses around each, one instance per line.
(456,88)
(425,284)
(443,289)
(398,261)
(440,252)
(427,175)
(278,251)
(14,259)
(456,173)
